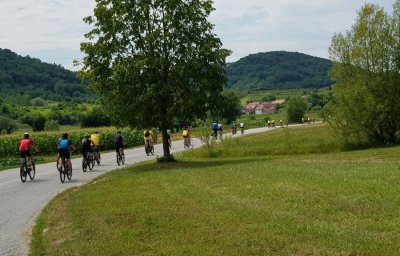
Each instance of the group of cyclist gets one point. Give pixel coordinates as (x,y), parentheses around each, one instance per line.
(91,142)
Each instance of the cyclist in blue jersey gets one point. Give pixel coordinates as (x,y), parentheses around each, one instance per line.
(215,128)
(64,145)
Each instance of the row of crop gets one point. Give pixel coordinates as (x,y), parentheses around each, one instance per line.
(47,141)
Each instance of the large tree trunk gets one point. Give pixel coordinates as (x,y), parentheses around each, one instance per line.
(167,153)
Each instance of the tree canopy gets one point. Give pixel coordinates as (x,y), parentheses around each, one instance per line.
(295,109)
(366,72)
(151,61)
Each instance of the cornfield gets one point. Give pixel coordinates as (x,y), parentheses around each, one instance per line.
(47,141)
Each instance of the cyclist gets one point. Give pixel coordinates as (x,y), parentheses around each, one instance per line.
(63,145)
(186,135)
(87,146)
(241,127)
(215,128)
(148,138)
(220,129)
(119,142)
(97,142)
(233,127)
(155,136)
(24,149)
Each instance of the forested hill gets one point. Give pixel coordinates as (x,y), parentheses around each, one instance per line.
(278,70)
(24,78)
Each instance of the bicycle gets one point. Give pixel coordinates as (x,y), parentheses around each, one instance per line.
(242,130)
(97,157)
(87,162)
(64,169)
(149,149)
(120,156)
(24,170)
(186,142)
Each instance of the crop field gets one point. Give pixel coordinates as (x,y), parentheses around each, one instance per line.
(47,141)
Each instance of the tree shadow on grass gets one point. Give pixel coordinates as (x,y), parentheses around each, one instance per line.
(193,164)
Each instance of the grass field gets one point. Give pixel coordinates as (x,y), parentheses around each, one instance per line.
(286,192)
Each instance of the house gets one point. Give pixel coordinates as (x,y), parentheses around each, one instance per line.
(251,108)
(260,108)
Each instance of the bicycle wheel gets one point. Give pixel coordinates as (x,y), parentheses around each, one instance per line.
(33,171)
(90,162)
(22,173)
(84,165)
(146,149)
(98,158)
(59,164)
(152,150)
(122,158)
(69,171)
(62,174)
(118,158)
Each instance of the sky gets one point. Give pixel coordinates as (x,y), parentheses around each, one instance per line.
(52,30)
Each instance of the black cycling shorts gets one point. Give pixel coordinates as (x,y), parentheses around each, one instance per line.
(25,153)
(64,152)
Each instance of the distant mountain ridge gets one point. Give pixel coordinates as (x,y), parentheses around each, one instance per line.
(278,70)
(26,78)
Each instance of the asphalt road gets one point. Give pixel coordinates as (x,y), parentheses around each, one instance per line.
(21,203)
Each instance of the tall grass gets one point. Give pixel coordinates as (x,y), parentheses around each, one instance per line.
(315,139)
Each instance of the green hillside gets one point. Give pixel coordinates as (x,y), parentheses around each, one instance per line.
(278,70)
(24,78)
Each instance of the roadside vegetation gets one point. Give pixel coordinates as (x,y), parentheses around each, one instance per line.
(291,191)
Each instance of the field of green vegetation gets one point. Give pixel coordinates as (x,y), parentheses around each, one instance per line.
(278,94)
(47,143)
(292,191)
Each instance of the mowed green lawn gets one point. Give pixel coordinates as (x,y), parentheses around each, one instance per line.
(245,201)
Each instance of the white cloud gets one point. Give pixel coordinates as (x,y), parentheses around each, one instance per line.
(294,25)
(52,30)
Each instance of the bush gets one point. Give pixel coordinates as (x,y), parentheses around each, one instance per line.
(38,102)
(51,125)
(7,124)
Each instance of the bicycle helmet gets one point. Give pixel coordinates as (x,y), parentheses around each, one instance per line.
(26,135)
(87,135)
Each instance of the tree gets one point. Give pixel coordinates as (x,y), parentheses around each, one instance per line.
(35,120)
(95,118)
(152,60)
(295,108)
(38,102)
(228,106)
(51,125)
(366,72)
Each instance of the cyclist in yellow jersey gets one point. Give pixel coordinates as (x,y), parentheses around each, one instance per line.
(97,142)
(186,136)
(148,138)
(95,137)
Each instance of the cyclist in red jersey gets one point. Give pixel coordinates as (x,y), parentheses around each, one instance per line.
(24,149)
